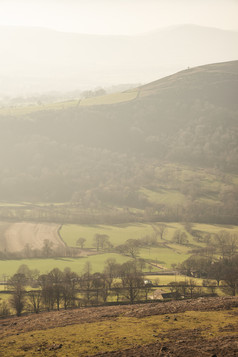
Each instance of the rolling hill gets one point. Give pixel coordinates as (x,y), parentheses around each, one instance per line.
(168,144)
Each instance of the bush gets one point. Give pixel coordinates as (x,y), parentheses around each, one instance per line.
(4,309)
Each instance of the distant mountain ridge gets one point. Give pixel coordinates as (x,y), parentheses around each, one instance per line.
(36,59)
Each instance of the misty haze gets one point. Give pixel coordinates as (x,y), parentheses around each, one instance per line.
(118,178)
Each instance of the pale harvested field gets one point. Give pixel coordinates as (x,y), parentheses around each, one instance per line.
(17,235)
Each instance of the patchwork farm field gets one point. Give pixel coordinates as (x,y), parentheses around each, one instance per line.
(164,255)
(16,236)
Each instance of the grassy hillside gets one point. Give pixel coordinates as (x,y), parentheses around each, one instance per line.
(165,151)
(199,328)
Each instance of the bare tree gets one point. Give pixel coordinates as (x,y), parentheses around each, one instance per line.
(132,281)
(111,270)
(162,229)
(56,279)
(132,247)
(81,241)
(100,241)
(191,287)
(17,283)
(47,291)
(180,237)
(47,248)
(221,239)
(69,292)
(216,271)
(230,275)
(35,300)
(86,283)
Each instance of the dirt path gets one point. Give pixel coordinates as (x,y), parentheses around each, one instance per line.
(18,235)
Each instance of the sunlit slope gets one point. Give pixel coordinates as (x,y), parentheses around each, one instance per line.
(218,82)
(107,99)
(109,149)
(214,82)
(110,99)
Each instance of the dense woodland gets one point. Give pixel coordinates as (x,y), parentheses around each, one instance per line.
(98,159)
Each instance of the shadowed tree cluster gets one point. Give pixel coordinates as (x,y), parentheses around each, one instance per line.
(66,289)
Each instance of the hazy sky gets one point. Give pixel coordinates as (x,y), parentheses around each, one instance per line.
(118,16)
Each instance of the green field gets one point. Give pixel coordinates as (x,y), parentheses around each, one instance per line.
(98,100)
(109,99)
(9,267)
(165,254)
(28,109)
(118,234)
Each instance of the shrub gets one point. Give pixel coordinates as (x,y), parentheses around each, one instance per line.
(4,309)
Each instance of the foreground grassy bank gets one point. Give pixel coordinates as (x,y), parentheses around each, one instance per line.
(129,328)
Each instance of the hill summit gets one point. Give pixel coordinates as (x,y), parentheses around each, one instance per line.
(189,117)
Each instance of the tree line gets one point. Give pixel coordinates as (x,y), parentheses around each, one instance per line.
(218,260)
(33,292)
